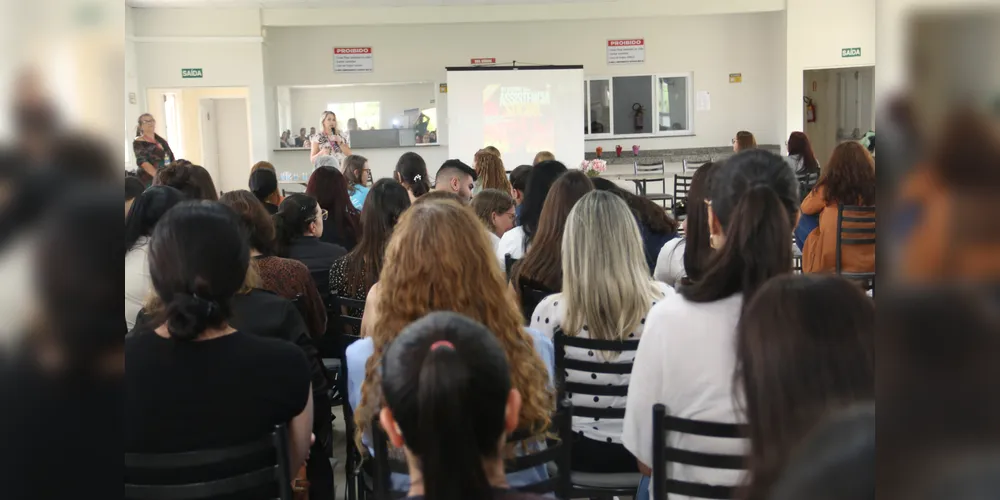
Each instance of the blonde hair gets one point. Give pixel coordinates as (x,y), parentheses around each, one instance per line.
(745,140)
(489,202)
(490,172)
(440,259)
(606,283)
(543,156)
(322,128)
(266,165)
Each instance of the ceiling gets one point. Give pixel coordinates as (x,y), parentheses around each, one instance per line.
(291,4)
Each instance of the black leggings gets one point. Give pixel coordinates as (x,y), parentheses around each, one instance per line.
(596,456)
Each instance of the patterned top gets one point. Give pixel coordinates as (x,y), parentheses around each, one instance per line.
(338,285)
(328,147)
(289,279)
(157,154)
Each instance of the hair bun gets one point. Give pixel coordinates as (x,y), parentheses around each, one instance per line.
(189,315)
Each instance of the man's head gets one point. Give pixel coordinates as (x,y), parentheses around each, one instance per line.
(302,132)
(456,177)
(519,182)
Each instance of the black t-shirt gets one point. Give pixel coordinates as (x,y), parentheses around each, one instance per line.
(188,396)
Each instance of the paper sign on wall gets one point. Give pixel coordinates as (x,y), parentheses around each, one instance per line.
(353,60)
(484,60)
(736,78)
(630,51)
(704,100)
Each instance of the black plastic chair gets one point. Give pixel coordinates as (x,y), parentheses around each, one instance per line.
(346,329)
(682,184)
(532,294)
(662,485)
(509,265)
(276,473)
(587,484)
(659,169)
(806,184)
(855,235)
(555,456)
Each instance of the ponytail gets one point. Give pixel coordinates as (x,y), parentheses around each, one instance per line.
(420,187)
(188,315)
(294,215)
(412,171)
(451,461)
(758,247)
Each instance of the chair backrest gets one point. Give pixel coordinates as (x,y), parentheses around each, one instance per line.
(861,231)
(682,184)
(806,183)
(344,306)
(562,341)
(276,473)
(532,294)
(556,452)
(509,264)
(692,165)
(653,167)
(662,454)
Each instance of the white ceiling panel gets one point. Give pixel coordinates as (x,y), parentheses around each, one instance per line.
(289,4)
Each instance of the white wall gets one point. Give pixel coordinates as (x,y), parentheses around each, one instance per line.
(816,33)
(711,47)
(234,146)
(308,103)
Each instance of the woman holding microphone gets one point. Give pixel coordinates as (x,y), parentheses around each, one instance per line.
(330,140)
(151,151)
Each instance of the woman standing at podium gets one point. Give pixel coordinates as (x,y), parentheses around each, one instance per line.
(330,140)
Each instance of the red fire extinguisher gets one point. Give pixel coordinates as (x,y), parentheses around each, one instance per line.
(638,116)
(810,110)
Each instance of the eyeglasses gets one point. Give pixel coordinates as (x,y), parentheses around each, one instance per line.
(150,120)
(325,214)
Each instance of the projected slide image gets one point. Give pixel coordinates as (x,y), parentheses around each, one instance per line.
(519,119)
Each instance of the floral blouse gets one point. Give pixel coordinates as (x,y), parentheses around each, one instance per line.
(157,154)
(328,147)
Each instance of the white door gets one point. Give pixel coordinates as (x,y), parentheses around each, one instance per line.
(232,127)
(207,116)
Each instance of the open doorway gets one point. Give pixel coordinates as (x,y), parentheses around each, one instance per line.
(208,126)
(843,109)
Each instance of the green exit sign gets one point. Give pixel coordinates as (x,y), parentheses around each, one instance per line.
(192,73)
(852,52)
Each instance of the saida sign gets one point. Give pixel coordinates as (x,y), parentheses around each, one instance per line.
(192,73)
(851,52)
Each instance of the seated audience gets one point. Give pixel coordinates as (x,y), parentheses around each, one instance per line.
(655,226)
(493,150)
(146,212)
(515,242)
(353,275)
(326,161)
(192,180)
(687,357)
(302,139)
(541,267)
(800,157)
(518,184)
(495,209)
(609,301)
(329,187)
(439,260)
(454,176)
(441,370)
(543,156)
(743,141)
(133,188)
(262,165)
(683,260)
(356,172)
(298,226)
(441,196)
(411,172)
(849,179)
(285,277)
(490,173)
(194,382)
(264,186)
(805,346)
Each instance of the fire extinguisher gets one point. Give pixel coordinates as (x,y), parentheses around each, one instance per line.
(637,116)
(810,110)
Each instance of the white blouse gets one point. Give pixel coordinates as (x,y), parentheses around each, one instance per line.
(686,361)
(670,262)
(511,243)
(549,315)
(138,283)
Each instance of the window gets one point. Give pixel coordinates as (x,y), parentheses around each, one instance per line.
(171,129)
(366,113)
(640,105)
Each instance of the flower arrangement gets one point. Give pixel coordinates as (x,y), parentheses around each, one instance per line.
(594,168)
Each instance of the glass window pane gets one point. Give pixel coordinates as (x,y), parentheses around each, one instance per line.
(600,107)
(633,98)
(586,126)
(367,114)
(672,92)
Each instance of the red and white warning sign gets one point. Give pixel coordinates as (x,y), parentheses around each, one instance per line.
(627,51)
(353,60)
(484,60)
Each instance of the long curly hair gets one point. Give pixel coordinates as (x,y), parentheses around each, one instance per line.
(849,176)
(490,171)
(440,259)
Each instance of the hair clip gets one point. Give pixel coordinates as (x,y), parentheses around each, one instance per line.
(417,177)
(442,343)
